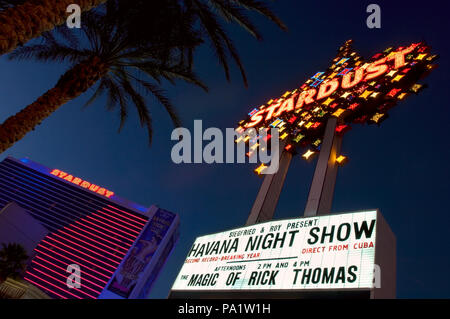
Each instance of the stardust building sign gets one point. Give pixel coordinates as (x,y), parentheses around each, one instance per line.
(352,89)
(85,184)
(291,257)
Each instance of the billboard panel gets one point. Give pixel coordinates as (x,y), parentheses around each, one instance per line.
(332,252)
(131,271)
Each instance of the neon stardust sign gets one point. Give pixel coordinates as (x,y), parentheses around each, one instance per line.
(349,80)
(85,184)
(352,89)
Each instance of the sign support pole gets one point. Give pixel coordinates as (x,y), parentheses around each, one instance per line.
(269,193)
(321,193)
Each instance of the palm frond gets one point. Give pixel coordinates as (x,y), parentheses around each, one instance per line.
(141,107)
(161,97)
(171,73)
(210,24)
(233,13)
(261,8)
(101,88)
(49,51)
(235,56)
(116,96)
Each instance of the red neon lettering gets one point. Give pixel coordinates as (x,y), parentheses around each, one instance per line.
(85,184)
(271,109)
(376,69)
(94,187)
(328,88)
(306,97)
(347,84)
(55,172)
(62,174)
(256,118)
(287,106)
(109,193)
(399,57)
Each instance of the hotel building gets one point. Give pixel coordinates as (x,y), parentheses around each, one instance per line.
(118,246)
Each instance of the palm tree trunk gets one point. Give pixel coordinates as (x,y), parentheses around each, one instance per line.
(24,22)
(71,84)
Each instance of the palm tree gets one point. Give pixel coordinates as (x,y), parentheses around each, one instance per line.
(116,60)
(13,259)
(23,22)
(29,20)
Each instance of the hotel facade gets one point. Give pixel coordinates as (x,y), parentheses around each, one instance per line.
(98,244)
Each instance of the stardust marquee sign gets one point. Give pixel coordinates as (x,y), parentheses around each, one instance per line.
(85,184)
(351,89)
(323,252)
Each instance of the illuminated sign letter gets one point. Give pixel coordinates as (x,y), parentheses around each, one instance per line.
(94,187)
(256,118)
(347,84)
(271,109)
(85,184)
(399,57)
(328,88)
(109,193)
(55,172)
(287,106)
(306,97)
(62,174)
(376,69)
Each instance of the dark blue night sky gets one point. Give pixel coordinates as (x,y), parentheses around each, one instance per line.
(402,167)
